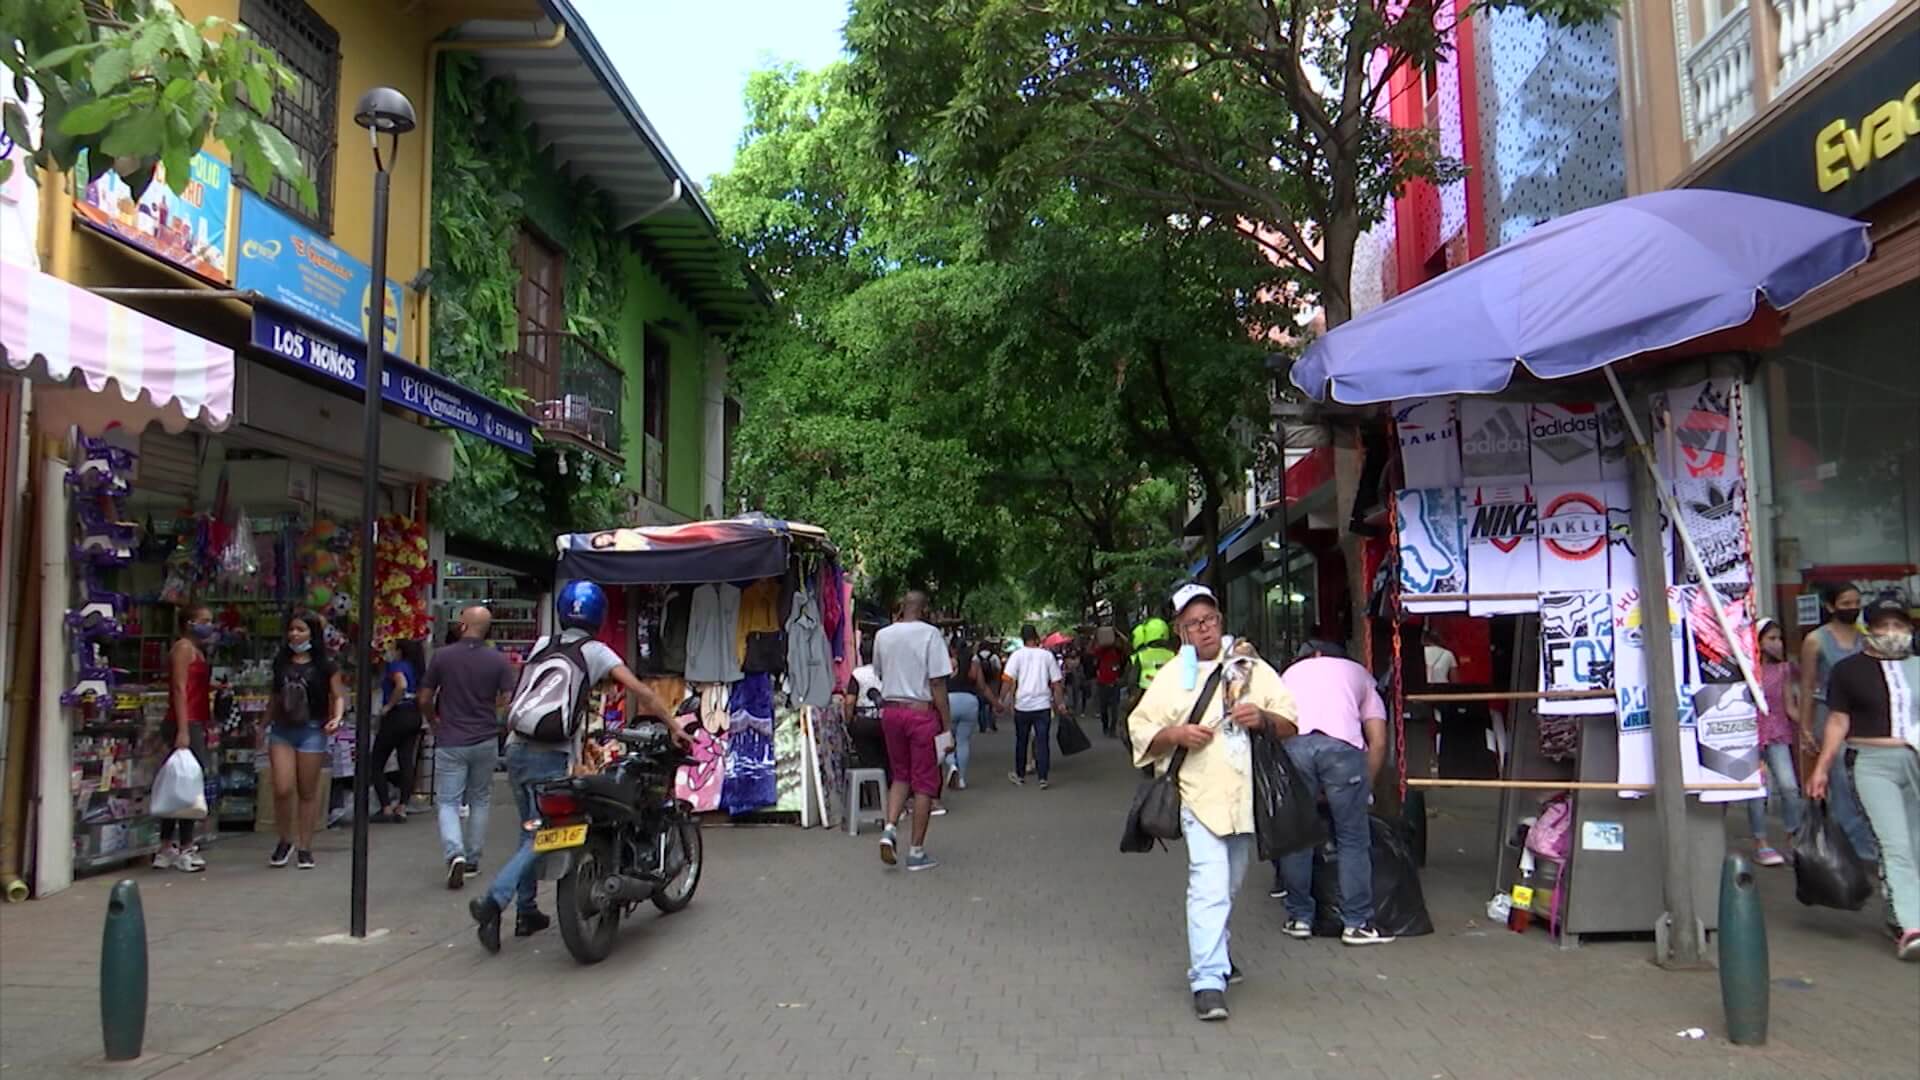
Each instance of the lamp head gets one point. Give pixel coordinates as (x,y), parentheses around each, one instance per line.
(384,111)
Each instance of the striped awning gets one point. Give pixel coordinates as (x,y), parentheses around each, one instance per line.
(135,369)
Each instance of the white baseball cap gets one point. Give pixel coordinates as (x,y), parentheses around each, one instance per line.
(1187,594)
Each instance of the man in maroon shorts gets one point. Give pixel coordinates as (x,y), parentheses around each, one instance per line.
(913,663)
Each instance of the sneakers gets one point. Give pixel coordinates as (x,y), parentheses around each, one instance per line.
(529,923)
(1210,1004)
(281,853)
(1909,947)
(1043,785)
(188,861)
(1018,780)
(165,857)
(1766,856)
(1235,976)
(456,872)
(889,846)
(304,859)
(1364,935)
(1299,929)
(959,782)
(1278,892)
(473,866)
(487,914)
(922,861)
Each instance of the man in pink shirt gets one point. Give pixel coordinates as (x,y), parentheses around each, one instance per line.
(1340,748)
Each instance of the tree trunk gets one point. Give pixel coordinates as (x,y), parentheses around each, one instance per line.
(1340,239)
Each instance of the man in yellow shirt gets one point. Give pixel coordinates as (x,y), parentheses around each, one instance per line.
(1216,778)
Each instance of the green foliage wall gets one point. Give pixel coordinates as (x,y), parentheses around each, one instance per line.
(490,177)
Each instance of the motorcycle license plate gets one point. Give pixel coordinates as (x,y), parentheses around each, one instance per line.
(565,836)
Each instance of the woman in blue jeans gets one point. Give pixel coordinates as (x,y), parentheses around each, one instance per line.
(1777,740)
(965,690)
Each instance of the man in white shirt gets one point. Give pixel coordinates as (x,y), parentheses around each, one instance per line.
(1037,696)
(912,661)
(1441,662)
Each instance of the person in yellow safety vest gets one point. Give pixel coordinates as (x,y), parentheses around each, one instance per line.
(1150,654)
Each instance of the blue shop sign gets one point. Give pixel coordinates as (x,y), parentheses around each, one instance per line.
(406,385)
(290,264)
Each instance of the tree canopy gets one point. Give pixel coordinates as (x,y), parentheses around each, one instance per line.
(1017,415)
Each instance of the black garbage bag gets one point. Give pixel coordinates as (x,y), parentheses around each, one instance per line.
(1285,819)
(1399,907)
(1826,870)
(1071,739)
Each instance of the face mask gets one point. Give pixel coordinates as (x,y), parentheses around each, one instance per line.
(1846,616)
(300,646)
(200,630)
(1895,644)
(1775,650)
(1189,662)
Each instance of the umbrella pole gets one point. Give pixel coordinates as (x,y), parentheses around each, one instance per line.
(1685,937)
(1692,550)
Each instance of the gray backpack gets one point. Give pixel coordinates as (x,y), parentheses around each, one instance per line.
(550,702)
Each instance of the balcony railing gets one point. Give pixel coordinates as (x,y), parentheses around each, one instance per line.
(1810,30)
(1720,79)
(577,390)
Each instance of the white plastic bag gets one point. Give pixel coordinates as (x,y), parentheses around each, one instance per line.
(180,788)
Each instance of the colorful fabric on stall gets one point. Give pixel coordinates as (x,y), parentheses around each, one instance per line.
(1573,536)
(1576,651)
(714,713)
(669,689)
(698,784)
(789,761)
(833,611)
(1433,560)
(1429,437)
(711,655)
(809,666)
(827,733)
(1503,556)
(751,783)
(759,614)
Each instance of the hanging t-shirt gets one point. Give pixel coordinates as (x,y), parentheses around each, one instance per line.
(1573,537)
(1565,442)
(1576,651)
(1433,560)
(1429,433)
(759,613)
(1493,443)
(712,655)
(1502,550)
(1613,440)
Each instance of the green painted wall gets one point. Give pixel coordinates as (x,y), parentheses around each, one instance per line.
(649,308)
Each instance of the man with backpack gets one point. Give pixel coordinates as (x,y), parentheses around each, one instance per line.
(546,737)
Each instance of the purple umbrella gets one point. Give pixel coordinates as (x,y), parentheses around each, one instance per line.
(1583,291)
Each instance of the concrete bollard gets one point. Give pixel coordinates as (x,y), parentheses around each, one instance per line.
(1744,982)
(123,974)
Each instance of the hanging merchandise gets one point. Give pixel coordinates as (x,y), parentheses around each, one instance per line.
(404,576)
(1573,536)
(698,782)
(1494,450)
(1576,651)
(759,613)
(1433,560)
(809,663)
(1725,716)
(712,650)
(1502,554)
(789,753)
(1565,443)
(1613,440)
(237,561)
(750,784)
(1429,433)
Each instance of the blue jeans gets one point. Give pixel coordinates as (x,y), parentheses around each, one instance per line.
(463,774)
(966,720)
(1216,865)
(1337,771)
(1843,803)
(519,879)
(1040,723)
(1784,786)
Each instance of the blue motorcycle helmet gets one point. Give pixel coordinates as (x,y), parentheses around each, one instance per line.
(582,605)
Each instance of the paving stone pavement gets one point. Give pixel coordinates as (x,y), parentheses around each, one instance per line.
(1035,951)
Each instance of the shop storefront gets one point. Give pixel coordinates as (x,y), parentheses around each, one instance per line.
(1837,456)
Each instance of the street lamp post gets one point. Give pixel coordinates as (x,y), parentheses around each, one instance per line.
(382,111)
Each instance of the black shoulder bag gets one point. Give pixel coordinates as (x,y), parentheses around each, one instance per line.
(1155,813)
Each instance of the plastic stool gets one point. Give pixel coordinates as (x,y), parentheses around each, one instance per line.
(856,780)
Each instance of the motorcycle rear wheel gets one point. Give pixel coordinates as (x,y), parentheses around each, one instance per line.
(587,929)
(677,892)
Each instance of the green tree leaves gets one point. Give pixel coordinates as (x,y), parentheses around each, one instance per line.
(131,84)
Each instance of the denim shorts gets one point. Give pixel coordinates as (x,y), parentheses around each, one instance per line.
(303,740)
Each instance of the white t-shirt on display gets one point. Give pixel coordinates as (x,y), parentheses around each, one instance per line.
(908,656)
(1032,672)
(1441,664)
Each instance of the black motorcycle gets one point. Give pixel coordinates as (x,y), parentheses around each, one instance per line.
(625,839)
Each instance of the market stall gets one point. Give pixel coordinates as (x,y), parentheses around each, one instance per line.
(1606,533)
(751,616)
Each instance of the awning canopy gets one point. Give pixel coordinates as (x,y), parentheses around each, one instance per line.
(65,335)
(735,549)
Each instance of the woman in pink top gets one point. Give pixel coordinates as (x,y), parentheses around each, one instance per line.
(1779,680)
